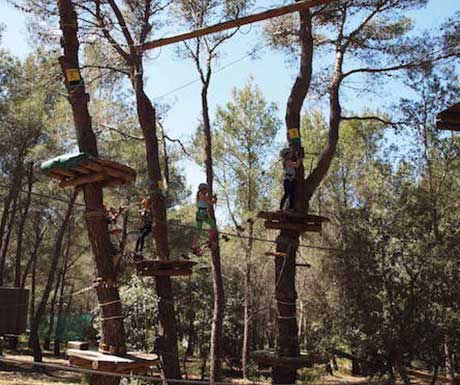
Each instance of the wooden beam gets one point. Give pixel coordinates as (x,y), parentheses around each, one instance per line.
(277,12)
(442,125)
(300,227)
(86,179)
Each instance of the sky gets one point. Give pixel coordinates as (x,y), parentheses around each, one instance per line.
(168,74)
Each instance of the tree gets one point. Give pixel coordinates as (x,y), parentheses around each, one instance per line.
(203,51)
(245,132)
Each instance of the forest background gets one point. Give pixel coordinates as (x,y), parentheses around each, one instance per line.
(384,277)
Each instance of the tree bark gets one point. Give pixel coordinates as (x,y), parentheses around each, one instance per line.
(215,373)
(166,313)
(113,333)
(247,303)
(6,242)
(288,241)
(22,222)
(11,197)
(59,321)
(47,341)
(34,342)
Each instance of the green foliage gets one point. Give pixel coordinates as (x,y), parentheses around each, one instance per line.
(244,144)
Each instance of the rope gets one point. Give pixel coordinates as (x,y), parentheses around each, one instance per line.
(109,303)
(131,376)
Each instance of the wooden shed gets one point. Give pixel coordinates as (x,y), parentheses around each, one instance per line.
(14,303)
(449,119)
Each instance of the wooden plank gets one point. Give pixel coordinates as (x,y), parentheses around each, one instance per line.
(441,125)
(277,12)
(275,254)
(118,174)
(61,171)
(307,265)
(86,179)
(80,345)
(164,273)
(292,216)
(92,165)
(164,263)
(301,227)
(273,359)
(117,166)
(131,362)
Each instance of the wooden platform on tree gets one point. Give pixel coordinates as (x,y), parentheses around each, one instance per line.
(132,362)
(268,358)
(79,169)
(164,268)
(286,220)
(449,119)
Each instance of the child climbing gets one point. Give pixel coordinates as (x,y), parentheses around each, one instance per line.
(290,165)
(146,214)
(204,203)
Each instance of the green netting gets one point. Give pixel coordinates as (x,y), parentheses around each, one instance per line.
(66,161)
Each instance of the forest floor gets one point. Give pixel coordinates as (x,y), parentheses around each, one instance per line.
(24,374)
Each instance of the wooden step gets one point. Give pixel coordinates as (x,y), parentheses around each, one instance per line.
(300,227)
(134,362)
(164,268)
(269,358)
(292,216)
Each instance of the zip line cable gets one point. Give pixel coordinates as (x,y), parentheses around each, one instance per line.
(233,235)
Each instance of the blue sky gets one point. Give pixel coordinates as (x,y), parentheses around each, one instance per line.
(270,71)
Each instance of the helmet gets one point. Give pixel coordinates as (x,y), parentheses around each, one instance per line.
(202,186)
(284,152)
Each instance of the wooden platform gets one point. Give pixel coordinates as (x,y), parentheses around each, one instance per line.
(164,268)
(80,169)
(131,362)
(79,345)
(284,220)
(449,119)
(268,358)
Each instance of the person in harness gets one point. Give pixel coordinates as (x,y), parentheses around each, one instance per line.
(290,166)
(204,204)
(146,214)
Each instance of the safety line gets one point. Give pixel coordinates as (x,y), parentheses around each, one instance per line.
(131,376)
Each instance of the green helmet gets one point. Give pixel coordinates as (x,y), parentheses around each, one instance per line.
(202,186)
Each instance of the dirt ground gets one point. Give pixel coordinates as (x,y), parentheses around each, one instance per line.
(23,374)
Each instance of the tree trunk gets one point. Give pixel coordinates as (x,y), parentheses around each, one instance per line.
(166,312)
(11,197)
(59,321)
(288,241)
(34,342)
(218,285)
(247,302)
(113,333)
(6,242)
(61,324)
(33,255)
(47,341)
(22,222)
